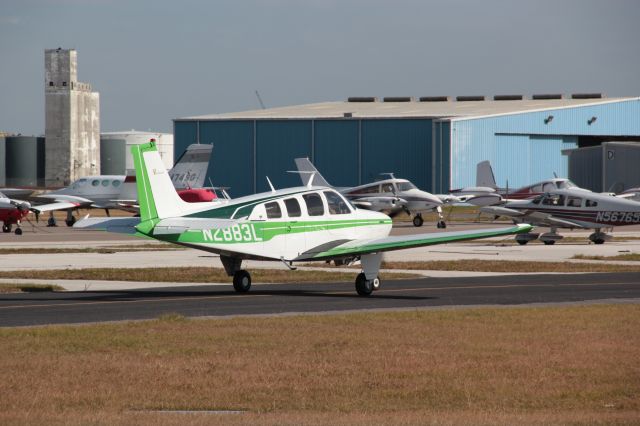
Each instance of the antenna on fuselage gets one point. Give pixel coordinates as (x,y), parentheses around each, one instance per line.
(270,184)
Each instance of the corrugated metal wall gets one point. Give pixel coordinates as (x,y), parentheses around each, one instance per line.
(232,163)
(441,162)
(621,163)
(402,147)
(526,147)
(336,151)
(585,167)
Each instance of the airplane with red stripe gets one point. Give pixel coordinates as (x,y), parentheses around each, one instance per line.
(569,208)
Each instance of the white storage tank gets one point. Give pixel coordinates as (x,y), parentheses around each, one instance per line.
(112,143)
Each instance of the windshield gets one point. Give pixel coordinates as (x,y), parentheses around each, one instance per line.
(405,186)
(566,184)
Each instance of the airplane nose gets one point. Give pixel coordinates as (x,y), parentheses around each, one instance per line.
(432,198)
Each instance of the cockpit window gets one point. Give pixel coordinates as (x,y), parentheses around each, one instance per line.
(314,204)
(553,200)
(386,187)
(336,203)
(405,186)
(273,210)
(372,189)
(566,184)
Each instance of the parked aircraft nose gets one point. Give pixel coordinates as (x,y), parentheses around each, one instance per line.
(431,198)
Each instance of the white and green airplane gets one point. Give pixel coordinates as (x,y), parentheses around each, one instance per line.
(308,223)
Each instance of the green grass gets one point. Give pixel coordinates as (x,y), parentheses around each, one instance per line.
(28,288)
(625,257)
(553,365)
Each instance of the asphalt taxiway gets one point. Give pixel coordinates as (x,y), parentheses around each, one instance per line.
(24,309)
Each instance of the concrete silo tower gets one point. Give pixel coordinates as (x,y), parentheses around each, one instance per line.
(72,121)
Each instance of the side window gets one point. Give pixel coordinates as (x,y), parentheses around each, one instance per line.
(105,183)
(273,210)
(549,186)
(537,188)
(373,189)
(293,207)
(116,183)
(387,187)
(553,200)
(336,203)
(95,182)
(590,203)
(574,202)
(314,204)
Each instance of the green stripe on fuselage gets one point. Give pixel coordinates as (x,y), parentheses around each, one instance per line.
(258,231)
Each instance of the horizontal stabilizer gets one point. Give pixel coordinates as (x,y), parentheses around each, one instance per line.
(121,225)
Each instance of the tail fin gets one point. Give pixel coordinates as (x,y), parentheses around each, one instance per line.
(157,197)
(308,171)
(191,168)
(484,175)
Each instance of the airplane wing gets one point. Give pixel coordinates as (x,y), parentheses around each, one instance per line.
(80,201)
(120,225)
(342,248)
(533,217)
(59,205)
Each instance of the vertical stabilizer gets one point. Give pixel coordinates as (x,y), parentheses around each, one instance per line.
(308,171)
(157,197)
(191,168)
(484,175)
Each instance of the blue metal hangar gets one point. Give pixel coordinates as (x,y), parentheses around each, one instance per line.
(435,142)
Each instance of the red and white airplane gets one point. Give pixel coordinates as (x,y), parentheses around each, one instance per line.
(487,193)
(13,212)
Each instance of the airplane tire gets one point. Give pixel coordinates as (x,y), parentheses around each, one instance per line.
(51,222)
(441,224)
(241,281)
(549,242)
(522,242)
(6,228)
(70,222)
(598,241)
(364,287)
(417,221)
(18,231)
(376,284)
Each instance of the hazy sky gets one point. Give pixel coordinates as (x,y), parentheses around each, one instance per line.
(153,61)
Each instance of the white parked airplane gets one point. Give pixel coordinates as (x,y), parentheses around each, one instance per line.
(302,224)
(391,196)
(119,191)
(569,208)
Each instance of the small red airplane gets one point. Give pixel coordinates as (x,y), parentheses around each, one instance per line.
(12,212)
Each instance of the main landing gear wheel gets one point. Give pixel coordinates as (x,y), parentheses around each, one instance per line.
(365,287)
(548,242)
(522,242)
(6,228)
(417,220)
(598,241)
(18,231)
(241,281)
(51,222)
(441,224)
(70,222)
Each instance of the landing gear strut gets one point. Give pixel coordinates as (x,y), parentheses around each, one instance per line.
(441,223)
(70,220)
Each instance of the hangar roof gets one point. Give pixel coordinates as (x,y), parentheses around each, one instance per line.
(412,109)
